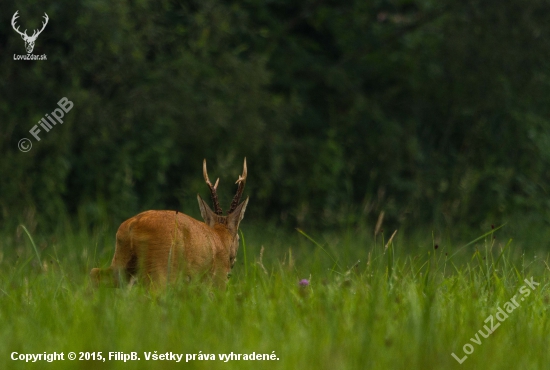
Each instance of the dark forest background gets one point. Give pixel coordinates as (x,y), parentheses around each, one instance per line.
(435,112)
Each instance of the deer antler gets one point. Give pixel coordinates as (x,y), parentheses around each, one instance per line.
(24,34)
(241,181)
(15,16)
(213,193)
(43,26)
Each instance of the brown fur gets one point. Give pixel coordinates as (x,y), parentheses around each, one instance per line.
(159,246)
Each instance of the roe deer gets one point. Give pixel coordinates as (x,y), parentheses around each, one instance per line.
(156,246)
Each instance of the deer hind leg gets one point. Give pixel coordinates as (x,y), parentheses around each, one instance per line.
(124,265)
(123,268)
(99,276)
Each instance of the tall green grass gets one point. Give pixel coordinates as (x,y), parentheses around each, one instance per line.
(370,304)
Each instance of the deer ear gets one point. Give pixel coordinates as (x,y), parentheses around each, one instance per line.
(207,214)
(235,217)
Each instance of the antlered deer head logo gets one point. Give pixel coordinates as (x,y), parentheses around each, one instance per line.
(29,40)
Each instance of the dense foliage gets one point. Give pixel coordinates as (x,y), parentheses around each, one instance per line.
(432,110)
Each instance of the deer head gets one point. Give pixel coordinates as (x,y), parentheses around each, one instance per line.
(29,40)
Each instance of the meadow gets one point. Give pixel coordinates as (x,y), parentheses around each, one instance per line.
(366,303)
(434,113)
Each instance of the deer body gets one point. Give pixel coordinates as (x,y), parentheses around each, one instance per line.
(157,247)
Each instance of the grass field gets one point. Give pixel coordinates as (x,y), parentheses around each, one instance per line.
(407,305)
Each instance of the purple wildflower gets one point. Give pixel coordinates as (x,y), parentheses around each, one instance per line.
(303,282)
